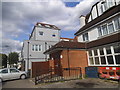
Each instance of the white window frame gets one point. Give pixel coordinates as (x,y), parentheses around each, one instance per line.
(38,48)
(105,55)
(41,32)
(84,37)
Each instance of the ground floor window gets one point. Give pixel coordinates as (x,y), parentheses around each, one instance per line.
(103,61)
(117,58)
(106,55)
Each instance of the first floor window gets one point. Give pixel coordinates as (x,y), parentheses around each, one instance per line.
(99,31)
(36,47)
(104,28)
(85,37)
(110,27)
(117,23)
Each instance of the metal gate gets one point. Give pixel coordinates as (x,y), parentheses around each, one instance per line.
(91,72)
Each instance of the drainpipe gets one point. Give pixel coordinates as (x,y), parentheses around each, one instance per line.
(28,61)
(68,61)
(45,50)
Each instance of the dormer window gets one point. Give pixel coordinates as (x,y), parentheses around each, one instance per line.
(40,33)
(40,25)
(48,26)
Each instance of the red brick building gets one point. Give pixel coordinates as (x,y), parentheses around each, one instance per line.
(67,55)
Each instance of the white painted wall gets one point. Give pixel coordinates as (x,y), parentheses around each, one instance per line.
(82,21)
(93,34)
(80,38)
(47,34)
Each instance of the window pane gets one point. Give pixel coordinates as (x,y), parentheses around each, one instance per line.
(99,31)
(102,10)
(95,52)
(4,71)
(36,47)
(103,61)
(97,60)
(117,23)
(39,47)
(91,60)
(104,28)
(40,33)
(110,3)
(101,52)
(108,50)
(85,37)
(105,5)
(90,53)
(33,47)
(53,35)
(117,58)
(13,70)
(117,49)
(110,59)
(110,27)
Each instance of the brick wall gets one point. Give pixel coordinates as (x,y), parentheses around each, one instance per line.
(74,58)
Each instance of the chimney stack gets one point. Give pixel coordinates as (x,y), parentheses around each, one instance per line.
(82,21)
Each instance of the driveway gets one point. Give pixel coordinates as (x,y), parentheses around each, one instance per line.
(26,83)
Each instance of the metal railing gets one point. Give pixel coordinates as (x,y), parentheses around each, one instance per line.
(55,75)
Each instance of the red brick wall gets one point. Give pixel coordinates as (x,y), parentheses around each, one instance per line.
(77,58)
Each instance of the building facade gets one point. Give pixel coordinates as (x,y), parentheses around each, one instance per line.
(101,33)
(42,38)
(68,55)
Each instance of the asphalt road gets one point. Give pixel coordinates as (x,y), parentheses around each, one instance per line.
(26,83)
(83,83)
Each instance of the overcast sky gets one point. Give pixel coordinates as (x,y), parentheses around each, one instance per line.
(18,18)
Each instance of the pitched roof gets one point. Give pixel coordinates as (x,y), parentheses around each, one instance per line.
(113,10)
(44,26)
(66,45)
